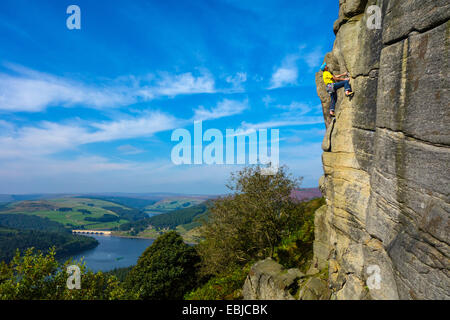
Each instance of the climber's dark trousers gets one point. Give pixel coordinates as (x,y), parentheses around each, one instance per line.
(338,85)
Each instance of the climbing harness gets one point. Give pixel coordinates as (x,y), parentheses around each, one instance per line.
(330,88)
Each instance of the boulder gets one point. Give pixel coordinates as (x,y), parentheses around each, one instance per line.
(268,280)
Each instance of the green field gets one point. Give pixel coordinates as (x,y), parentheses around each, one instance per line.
(172,204)
(191,236)
(150,233)
(74,218)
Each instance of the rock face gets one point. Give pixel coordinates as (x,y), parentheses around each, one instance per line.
(384,233)
(268,280)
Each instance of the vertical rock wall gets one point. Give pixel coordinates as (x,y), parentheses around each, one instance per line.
(386,156)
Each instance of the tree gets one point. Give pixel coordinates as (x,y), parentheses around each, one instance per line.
(35,276)
(249,223)
(166,270)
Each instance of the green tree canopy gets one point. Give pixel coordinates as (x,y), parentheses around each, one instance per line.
(248,224)
(166,270)
(35,276)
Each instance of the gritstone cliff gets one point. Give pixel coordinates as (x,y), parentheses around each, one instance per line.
(386,155)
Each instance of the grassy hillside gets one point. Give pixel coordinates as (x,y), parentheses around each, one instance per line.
(178,217)
(171,204)
(72,212)
(183,220)
(135,203)
(97,211)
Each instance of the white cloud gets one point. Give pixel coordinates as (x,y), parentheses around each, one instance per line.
(50,137)
(281,123)
(47,137)
(185,83)
(131,128)
(295,114)
(33,91)
(128,149)
(286,74)
(314,58)
(18,93)
(224,108)
(97,174)
(295,107)
(237,80)
(46,167)
(267,100)
(297,136)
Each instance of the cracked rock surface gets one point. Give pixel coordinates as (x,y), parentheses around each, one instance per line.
(386,159)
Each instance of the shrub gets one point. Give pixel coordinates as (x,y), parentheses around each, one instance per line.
(296,250)
(248,224)
(224,287)
(35,276)
(166,270)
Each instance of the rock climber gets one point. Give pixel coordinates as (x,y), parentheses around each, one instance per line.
(334,83)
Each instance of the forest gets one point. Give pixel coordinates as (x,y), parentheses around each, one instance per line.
(65,244)
(20,231)
(171,220)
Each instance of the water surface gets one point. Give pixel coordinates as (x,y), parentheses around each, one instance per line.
(113,252)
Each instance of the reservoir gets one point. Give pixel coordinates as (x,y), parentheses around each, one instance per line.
(113,252)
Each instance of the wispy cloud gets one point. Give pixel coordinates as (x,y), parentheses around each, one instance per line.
(286,74)
(237,81)
(22,93)
(186,83)
(94,174)
(128,149)
(313,58)
(281,123)
(267,100)
(45,167)
(32,91)
(224,108)
(49,137)
(296,108)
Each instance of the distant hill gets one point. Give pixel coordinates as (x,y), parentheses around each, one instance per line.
(23,197)
(171,204)
(136,203)
(307,194)
(187,217)
(155,196)
(29,222)
(66,244)
(179,217)
(75,212)
(93,211)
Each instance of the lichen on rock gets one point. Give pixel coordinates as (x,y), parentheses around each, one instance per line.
(386,160)
(384,232)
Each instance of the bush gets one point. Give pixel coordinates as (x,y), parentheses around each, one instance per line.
(120,273)
(35,276)
(249,224)
(296,250)
(224,287)
(166,270)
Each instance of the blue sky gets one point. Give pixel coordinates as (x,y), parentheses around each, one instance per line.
(93,110)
